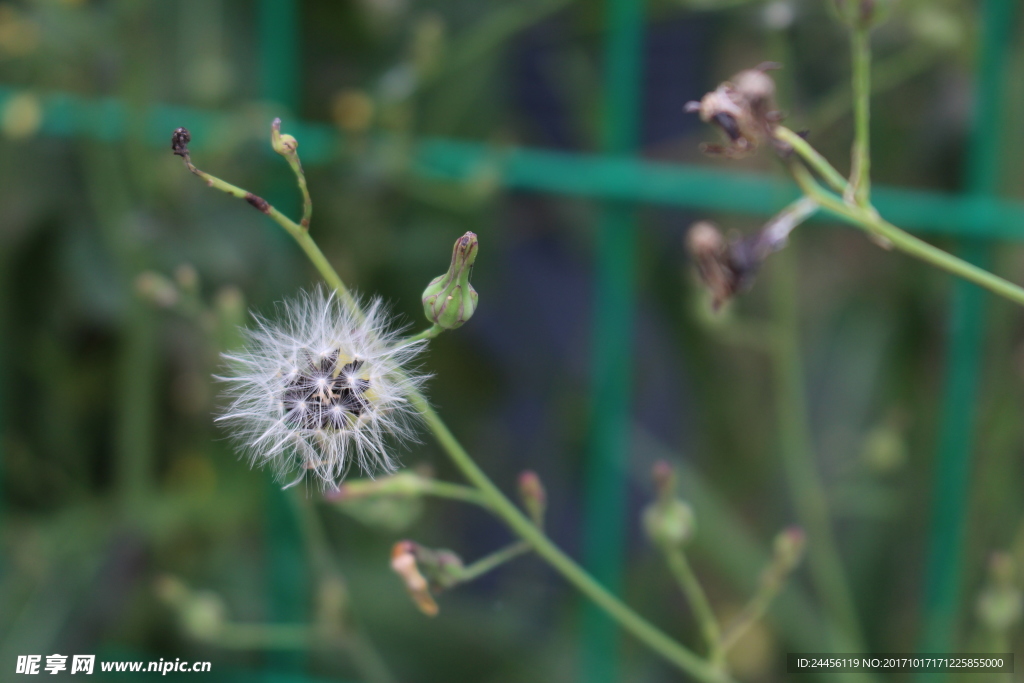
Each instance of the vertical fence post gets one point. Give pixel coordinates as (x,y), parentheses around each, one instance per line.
(950,502)
(611,364)
(286,570)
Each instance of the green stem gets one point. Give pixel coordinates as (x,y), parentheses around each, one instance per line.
(813,158)
(870,221)
(287,149)
(753,612)
(690,585)
(363,653)
(465,494)
(494,560)
(886,74)
(810,499)
(428,333)
(651,636)
(301,235)
(860,172)
(654,638)
(407,484)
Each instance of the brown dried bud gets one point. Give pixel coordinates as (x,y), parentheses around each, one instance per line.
(725,268)
(403,563)
(179,141)
(743,108)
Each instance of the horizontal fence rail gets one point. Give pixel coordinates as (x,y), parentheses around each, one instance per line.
(584,175)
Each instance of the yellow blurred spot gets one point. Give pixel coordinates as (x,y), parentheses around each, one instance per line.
(18,36)
(352,111)
(753,657)
(193,473)
(22,116)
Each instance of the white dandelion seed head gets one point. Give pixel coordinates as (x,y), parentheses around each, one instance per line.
(321,388)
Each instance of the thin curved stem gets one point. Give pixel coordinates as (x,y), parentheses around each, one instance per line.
(643,630)
(698,599)
(428,333)
(869,220)
(813,158)
(494,560)
(808,491)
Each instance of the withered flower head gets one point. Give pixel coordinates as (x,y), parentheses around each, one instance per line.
(728,267)
(743,108)
(725,268)
(425,572)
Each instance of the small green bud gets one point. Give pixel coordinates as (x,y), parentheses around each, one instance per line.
(283,144)
(450,300)
(535,499)
(789,548)
(669,523)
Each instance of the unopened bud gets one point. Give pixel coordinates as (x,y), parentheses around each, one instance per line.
(669,523)
(425,570)
(450,300)
(283,144)
(533,495)
(789,547)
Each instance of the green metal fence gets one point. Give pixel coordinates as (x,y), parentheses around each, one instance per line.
(621,181)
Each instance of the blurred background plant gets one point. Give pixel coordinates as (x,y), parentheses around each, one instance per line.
(130,529)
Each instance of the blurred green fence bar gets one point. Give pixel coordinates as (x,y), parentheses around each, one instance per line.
(709,187)
(288,583)
(950,503)
(611,344)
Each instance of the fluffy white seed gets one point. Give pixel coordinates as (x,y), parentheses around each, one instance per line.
(320,388)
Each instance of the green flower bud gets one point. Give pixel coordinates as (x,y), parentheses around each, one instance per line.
(282,143)
(669,523)
(449,300)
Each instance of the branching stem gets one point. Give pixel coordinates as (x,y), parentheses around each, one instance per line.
(683,658)
(694,592)
(494,560)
